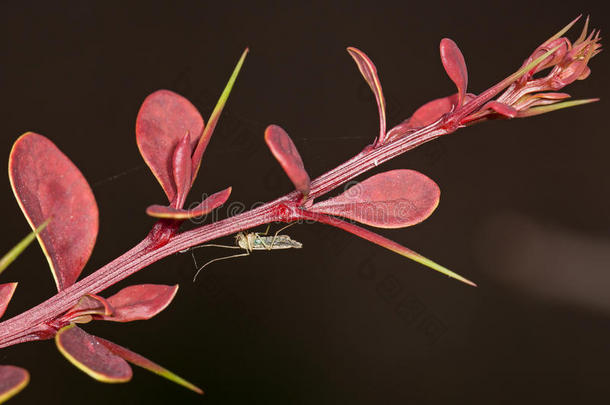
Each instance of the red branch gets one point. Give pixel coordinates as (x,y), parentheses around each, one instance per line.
(35,324)
(524,96)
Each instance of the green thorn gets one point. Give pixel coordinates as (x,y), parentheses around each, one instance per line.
(553,107)
(435,266)
(209,128)
(564,30)
(8,258)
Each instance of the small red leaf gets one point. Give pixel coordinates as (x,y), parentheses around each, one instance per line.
(143,362)
(552,96)
(384,242)
(432,111)
(163,120)
(49,186)
(163,211)
(287,155)
(455,66)
(12,380)
(393,199)
(89,304)
(181,165)
(212,202)
(502,109)
(427,114)
(90,356)
(424,116)
(139,302)
(369,72)
(6,293)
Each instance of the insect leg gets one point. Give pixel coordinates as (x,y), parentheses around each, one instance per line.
(266,230)
(192,249)
(218,259)
(215,245)
(280,230)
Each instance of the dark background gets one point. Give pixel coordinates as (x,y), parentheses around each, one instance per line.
(524,209)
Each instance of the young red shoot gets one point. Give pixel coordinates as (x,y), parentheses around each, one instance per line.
(288,156)
(369,72)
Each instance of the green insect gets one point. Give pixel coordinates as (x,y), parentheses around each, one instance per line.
(249,242)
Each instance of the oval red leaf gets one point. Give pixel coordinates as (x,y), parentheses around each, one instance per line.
(426,115)
(455,66)
(369,72)
(432,111)
(212,202)
(502,109)
(138,302)
(6,293)
(394,199)
(49,186)
(288,156)
(12,380)
(90,356)
(163,120)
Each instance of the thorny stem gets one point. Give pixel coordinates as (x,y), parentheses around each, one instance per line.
(37,323)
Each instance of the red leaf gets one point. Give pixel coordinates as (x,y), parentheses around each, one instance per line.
(89,304)
(12,380)
(426,115)
(552,96)
(139,302)
(393,199)
(288,156)
(181,165)
(6,293)
(143,362)
(384,242)
(432,111)
(502,109)
(163,120)
(369,72)
(163,211)
(90,356)
(212,202)
(455,66)
(49,186)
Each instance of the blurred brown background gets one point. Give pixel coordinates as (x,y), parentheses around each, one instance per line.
(524,210)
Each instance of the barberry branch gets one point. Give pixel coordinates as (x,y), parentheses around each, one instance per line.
(167,119)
